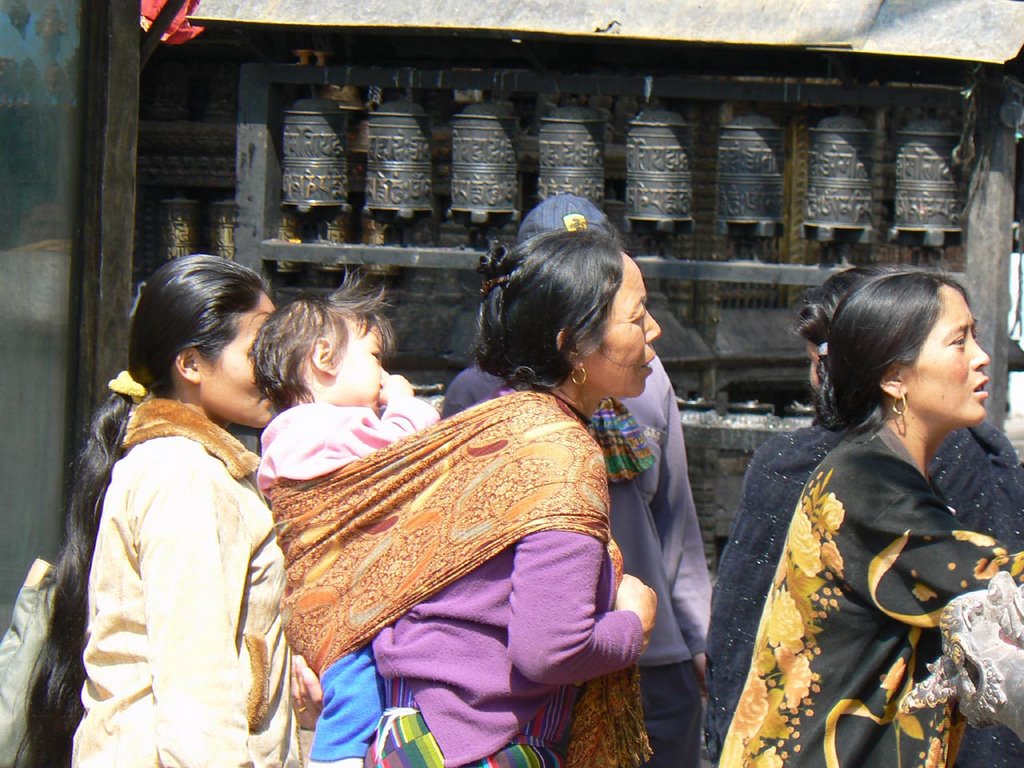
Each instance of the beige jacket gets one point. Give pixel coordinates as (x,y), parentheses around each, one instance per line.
(186,659)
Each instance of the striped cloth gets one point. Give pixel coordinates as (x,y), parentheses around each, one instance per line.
(626,453)
(406,742)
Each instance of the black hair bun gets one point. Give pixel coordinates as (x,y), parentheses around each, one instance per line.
(497,262)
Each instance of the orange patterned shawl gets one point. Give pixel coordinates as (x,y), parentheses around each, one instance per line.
(365,544)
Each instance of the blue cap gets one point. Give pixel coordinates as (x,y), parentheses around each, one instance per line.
(562,212)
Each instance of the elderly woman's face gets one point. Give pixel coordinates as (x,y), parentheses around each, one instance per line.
(621,365)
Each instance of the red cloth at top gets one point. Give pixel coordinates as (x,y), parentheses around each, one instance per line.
(180,31)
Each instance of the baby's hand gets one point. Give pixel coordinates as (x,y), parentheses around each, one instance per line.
(392,387)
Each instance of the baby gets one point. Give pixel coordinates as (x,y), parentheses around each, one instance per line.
(318,361)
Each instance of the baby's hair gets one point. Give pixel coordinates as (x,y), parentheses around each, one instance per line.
(285,342)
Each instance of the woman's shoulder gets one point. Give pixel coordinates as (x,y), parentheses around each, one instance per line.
(158,420)
(173,478)
(171,459)
(862,470)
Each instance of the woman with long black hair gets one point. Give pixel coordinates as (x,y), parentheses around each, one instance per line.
(165,644)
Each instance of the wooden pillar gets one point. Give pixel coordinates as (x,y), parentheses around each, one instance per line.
(989,240)
(103,277)
(259,174)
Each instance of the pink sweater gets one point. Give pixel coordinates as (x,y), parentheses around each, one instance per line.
(314,439)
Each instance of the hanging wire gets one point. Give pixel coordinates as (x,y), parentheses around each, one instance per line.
(963,153)
(1018,309)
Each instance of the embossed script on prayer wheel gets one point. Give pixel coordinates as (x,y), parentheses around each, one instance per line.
(179,227)
(659,186)
(572,154)
(838,203)
(484,183)
(223,219)
(928,206)
(750,163)
(398,168)
(315,165)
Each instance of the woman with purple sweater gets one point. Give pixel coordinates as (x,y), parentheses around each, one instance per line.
(476,555)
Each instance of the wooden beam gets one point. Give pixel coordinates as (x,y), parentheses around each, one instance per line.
(104,248)
(989,240)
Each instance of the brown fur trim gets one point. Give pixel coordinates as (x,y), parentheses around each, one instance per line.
(170,418)
(258,701)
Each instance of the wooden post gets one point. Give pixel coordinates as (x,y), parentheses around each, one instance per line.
(259,173)
(103,277)
(989,240)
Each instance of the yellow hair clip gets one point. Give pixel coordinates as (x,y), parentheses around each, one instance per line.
(574,222)
(125,385)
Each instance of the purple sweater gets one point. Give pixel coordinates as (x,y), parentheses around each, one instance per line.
(485,653)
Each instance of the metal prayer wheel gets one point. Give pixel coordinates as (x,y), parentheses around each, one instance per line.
(485,188)
(838,205)
(289,229)
(223,219)
(750,164)
(659,185)
(398,167)
(336,228)
(315,165)
(928,207)
(374,234)
(179,227)
(572,154)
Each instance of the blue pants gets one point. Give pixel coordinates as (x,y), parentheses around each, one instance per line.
(673,712)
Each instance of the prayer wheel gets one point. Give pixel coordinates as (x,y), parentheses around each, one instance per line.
(750,165)
(485,189)
(179,227)
(315,165)
(223,220)
(659,186)
(928,207)
(398,168)
(838,205)
(572,154)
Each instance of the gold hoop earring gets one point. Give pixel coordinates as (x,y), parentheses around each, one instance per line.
(903,399)
(576,372)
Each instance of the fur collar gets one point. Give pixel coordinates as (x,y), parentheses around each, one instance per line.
(169,418)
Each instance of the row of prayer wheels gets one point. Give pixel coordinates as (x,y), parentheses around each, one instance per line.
(659,185)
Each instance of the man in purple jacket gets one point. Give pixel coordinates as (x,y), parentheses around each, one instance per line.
(654,522)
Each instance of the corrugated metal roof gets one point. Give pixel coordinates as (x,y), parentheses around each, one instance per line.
(974,30)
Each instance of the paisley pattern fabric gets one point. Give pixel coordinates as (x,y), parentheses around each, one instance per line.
(367,543)
(872,556)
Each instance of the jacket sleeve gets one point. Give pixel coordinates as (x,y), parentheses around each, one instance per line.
(559,632)
(194,554)
(675,517)
(405,415)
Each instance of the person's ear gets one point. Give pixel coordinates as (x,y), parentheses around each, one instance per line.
(892,383)
(322,356)
(186,365)
(560,340)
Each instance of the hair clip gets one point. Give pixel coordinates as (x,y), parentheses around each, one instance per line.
(488,285)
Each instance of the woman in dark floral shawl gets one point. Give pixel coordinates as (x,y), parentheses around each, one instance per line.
(873,552)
